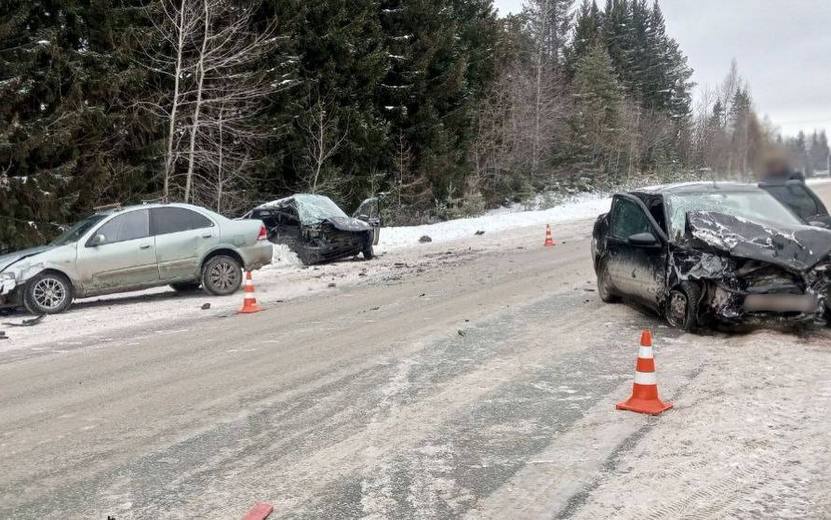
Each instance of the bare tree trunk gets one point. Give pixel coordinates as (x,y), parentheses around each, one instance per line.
(198,106)
(170,153)
(535,154)
(220,172)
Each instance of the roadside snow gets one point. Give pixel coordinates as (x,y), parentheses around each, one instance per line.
(818,181)
(581,207)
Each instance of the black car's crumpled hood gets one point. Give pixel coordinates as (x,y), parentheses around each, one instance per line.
(13,258)
(349,224)
(794,247)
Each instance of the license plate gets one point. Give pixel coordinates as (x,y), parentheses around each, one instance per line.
(806,303)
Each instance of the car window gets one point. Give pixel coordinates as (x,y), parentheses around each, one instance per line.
(269,217)
(797,199)
(129,226)
(629,219)
(312,209)
(174,220)
(288,217)
(74,233)
(758,206)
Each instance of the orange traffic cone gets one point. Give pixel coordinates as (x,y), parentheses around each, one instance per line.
(249,304)
(549,239)
(645,390)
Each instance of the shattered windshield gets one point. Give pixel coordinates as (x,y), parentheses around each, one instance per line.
(74,233)
(756,206)
(314,208)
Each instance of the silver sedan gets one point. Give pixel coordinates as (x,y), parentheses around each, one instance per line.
(135,248)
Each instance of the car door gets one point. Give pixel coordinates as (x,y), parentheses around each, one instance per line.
(637,266)
(370,212)
(183,238)
(120,255)
(288,226)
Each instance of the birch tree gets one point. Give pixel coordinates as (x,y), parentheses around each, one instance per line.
(323,138)
(218,89)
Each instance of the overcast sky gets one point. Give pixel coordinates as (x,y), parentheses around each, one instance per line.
(783,48)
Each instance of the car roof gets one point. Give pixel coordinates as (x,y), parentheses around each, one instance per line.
(302,197)
(122,209)
(698,187)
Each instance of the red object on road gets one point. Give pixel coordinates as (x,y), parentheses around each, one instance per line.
(549,238)
(249,304)
(645,390)
(260,511)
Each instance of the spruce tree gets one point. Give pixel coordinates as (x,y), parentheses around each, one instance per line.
(66,143)
(597,123)
(587,32)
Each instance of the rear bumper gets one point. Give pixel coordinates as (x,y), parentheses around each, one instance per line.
(257,256)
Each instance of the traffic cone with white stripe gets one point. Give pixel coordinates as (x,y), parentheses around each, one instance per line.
(249,304)
(645,390)
(549,238)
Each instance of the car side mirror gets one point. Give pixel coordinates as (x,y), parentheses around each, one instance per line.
(643,240)
(97,240)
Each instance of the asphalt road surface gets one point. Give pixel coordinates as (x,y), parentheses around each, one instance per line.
(470,383)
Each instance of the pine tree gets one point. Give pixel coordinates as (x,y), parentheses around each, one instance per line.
(818,152)
(587,32)
(66,142)
(434,82)
(597,123)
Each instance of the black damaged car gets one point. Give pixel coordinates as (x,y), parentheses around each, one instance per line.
(319,231)
(703,254)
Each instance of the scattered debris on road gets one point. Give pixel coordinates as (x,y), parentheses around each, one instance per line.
(206,306)
(425,239)
(480,233)
(27,323)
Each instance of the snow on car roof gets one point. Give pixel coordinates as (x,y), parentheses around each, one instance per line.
(300,197)
(698,187)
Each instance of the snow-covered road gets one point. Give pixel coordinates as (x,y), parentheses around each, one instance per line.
(472,378)
(147,312)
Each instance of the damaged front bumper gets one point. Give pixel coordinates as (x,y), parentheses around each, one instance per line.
(736,307)
(739,291)
(8,297)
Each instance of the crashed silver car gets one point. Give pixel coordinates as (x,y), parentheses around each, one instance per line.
(712,253)
(317,230)
(133,248)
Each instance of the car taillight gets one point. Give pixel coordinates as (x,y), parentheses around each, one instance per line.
(263,233)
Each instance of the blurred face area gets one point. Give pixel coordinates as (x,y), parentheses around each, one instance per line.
(776,167)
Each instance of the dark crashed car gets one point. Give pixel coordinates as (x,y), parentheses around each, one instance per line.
(319,231)
(707,254)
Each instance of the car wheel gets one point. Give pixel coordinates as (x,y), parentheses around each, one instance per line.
(368,251)
(185,286)
(604,285)
(221,275)
(682,308)
(47,293)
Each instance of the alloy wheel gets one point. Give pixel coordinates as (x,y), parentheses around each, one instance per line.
(224,276)
(49,293)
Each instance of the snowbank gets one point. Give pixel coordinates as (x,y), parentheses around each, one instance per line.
(581,207)
(817,181)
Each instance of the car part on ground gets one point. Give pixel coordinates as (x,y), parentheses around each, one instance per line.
(134,248)
(707,253)
(317,230)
